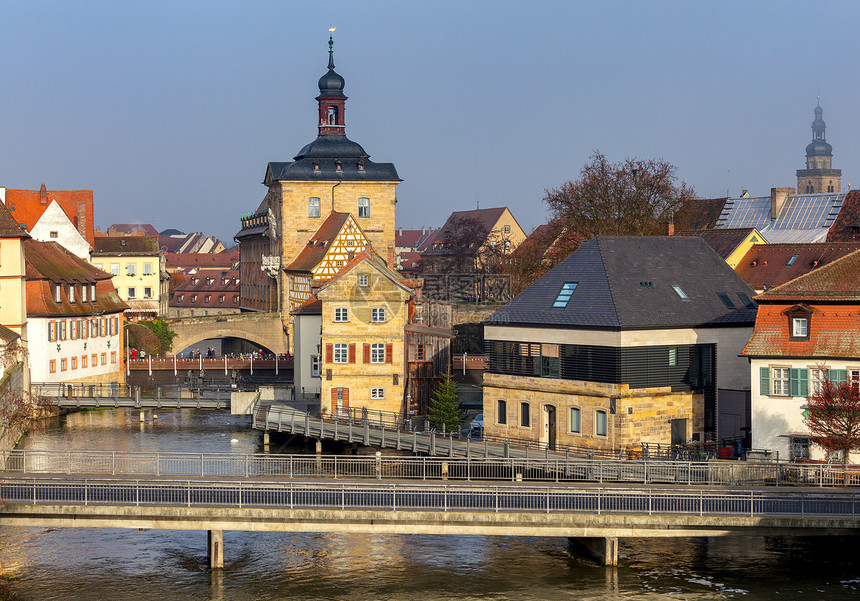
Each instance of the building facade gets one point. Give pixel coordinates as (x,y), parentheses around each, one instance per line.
(138,270)
(819,177)
(207,292)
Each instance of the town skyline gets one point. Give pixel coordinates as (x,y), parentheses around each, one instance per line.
(171,114)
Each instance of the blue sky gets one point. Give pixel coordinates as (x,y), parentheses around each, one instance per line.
(170,111)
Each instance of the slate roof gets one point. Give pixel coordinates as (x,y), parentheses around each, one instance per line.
(202,260)
(7,335)
(626,282)
(325,152)
(838,281)
(9,228)
(135,228)
(724,242)
(767,266)
(699,213)
(117,246)
(199,285)
(318,245)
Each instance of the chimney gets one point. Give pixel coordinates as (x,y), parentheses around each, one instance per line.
(82,219)
(778,197)
(43,195)
(670,229)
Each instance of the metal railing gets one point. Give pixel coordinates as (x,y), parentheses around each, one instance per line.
(434,497)
(115,463)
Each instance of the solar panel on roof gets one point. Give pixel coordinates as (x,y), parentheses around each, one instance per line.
(747,212)
(806,212)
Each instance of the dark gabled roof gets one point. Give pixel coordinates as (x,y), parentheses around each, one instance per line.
(724,242)
(9,228)
(837,281)
(125,245)
(134,228)
(50,261)
(846,226)
(626,282)
(7,335)
(767,266)
(319,244)
(328,153)
(486,217)
(699,213)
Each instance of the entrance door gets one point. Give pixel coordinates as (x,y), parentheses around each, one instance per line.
(679,432)
(340,401)
(548,434)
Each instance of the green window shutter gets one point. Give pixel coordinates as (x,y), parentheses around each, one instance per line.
(804,382)
(799,382)
(765,380)
(794,382)
(837,376)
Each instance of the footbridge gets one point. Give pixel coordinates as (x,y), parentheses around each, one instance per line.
(263,329)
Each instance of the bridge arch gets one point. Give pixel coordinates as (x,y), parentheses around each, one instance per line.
(263,329)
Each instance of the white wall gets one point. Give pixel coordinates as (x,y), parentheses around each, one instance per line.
(306,338)
(42,352)
(54,219)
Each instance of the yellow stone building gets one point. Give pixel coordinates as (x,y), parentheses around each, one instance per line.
(365,310)
(138,271)
(330,174)
(13,307)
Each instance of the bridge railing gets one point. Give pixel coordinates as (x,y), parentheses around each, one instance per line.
(115,463)
(432,497)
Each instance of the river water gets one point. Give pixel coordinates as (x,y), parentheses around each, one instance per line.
(110,564)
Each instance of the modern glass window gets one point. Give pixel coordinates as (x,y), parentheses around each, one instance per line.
(147,269)
(341,314)
(799,327)
(364,207)
(131,268)
(501,411)
(680,292)
(377,314)
(377,353)
(363,280)
(575,419)
(313,207)
(564,295)
(377,393)
(525,415)
(114,268)
(780,380)
(600,423)
(340,352)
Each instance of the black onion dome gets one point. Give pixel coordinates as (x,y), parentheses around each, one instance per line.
(331,84)
(819,148)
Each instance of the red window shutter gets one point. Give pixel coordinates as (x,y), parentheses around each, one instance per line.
(352,353)
(346,398)
(329,353)
(334,398)
(389,348)
(367,353)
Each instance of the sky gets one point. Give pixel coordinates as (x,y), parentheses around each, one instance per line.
(171,111)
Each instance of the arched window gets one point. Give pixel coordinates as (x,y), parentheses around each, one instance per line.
(332,115)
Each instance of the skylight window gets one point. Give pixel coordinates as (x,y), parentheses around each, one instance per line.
(564,295)
(726,300)
(747,301)
(680,292)
(792,260)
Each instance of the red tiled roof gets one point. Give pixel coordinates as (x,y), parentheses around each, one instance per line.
(316,247)
(48,264)
(846,227)
(723,241)
(30,204)
(831,332)
(766,266)
(312,306)
(410,262)
(836,281)
(417,239)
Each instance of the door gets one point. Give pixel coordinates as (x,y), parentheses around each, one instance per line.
(548,433)
(679,432)
(340,401)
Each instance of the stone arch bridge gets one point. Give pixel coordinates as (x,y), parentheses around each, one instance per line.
(263,329)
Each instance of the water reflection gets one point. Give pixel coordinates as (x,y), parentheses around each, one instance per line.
(73,564)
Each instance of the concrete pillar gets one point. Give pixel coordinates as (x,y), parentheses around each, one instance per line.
(216,549)
(266,438)
(604,550)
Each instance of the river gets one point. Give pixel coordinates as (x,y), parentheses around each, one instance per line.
(109,564)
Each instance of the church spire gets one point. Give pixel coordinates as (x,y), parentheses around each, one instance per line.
(819,176)
(331,99)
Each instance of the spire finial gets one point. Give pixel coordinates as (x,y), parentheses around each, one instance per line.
(331,48)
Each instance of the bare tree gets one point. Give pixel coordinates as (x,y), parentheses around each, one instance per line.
(833,417)
(632,197)
(541,251)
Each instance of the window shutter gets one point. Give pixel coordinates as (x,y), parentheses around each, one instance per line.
(837,376)
(388,352)
(804,382)
(346,398)
(352,353)
(367,353)
(794,382)
(329,353)
(765,380)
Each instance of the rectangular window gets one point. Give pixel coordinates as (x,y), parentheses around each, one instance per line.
(377,353)
(84,361)
(73,329)
(147,292)
(780,378)
(52,366)
(363,280)
(71,293)
(575,420)
(419,352)
(103,327)
(680,293)
(114,268)
(84,293)
(564,295)
(600,423)
(673,356)
(131,293)
(113,357)
(63,365)
(61,330)
(507,229)
(799,327)
(525,417)
(93,292)
(340,353)
(501,411)
(147,269)
(549,361)
(104,358)
(837,376)
(364,207)
(131,268)
(94,360)
(817,375)
(52,331)
(82,328)
(74,362)
(378,314)
(58,293)
(315,366)
(313,207)
(377,393)
(341,314)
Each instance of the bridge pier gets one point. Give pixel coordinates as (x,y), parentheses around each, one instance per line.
(216,549)
(602,549)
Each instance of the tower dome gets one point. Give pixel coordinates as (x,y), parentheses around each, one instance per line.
(331,84)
